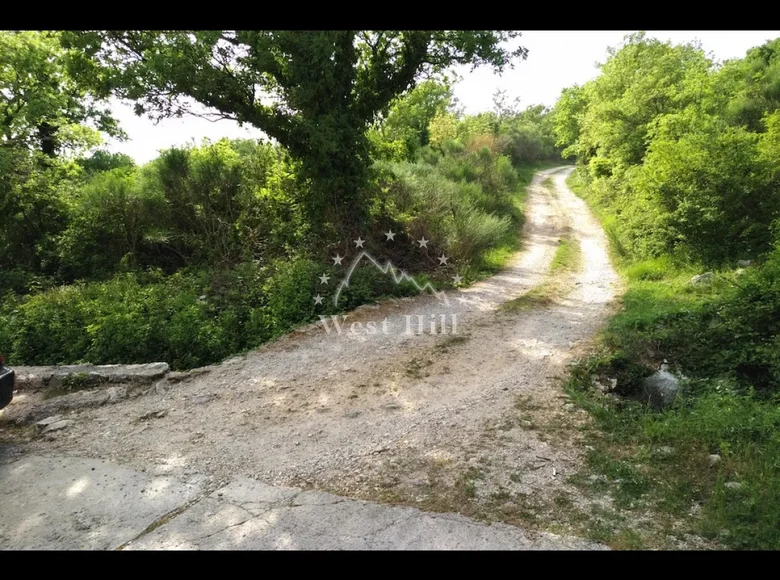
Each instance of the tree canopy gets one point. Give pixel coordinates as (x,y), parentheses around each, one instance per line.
(41,105)
(315,92)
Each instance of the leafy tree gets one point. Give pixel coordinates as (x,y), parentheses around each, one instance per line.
(443,127)
(41,106)
(44,114)
(478,125)
(639,81)
(315,92)
(529,135)
(110,216)
(708,177)
(410,115)
(750,87)
(102,160)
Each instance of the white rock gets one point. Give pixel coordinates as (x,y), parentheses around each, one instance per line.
(702,279)
(48,421)
(57,425)
(662,387)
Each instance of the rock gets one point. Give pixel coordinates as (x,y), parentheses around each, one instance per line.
(48,421)
(153,415)
(146,372)
(115,394)
(527,424)
(714,459)
(732,485)
(391,406)
(29,381)
(57,425)
(744,263)
(661,388)
(352,414)
(665,450)
(202,399)
(702,279)
(607,387)
(569,407)
(176,376)
(87,375)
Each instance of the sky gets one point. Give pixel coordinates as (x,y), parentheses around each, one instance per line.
(556,60)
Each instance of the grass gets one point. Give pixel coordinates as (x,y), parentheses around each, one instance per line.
(538,296)
(657,463)
(496,259)
(69,384)
(567,258)
(568,255)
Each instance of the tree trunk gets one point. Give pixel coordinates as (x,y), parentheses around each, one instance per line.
(46,136)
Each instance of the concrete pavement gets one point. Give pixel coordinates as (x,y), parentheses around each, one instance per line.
(88,504)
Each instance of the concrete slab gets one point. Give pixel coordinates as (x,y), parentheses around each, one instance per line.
(53,376)
(81,504)
(71,503)
(249,515)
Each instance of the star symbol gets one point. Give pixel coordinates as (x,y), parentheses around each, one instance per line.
(337,259)
(324,279)
(359,242)
(457,278)
(390,235)
(423,242)
(443,260)
(318,299)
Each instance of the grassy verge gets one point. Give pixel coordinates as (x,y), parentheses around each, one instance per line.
(496,259)
(566,260)
(709,466)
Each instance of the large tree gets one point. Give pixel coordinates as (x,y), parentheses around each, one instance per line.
(41,106)
(315,92)
(45,115)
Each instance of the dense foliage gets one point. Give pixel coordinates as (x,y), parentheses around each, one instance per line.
(315,92)
(683,152)
(209,250)
(679,157)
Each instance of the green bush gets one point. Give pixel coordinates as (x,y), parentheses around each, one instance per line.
(463,202)
(289,291)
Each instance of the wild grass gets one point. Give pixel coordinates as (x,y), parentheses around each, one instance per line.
(710,464)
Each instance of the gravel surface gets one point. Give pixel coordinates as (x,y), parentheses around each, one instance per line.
(360,414)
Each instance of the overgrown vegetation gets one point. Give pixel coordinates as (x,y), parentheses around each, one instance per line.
(210,250)
(679,158)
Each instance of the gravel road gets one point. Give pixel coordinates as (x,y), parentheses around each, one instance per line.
(395,416)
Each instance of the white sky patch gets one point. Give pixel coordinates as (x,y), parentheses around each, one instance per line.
(556,60)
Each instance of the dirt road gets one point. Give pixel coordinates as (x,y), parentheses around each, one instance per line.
(473,413)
